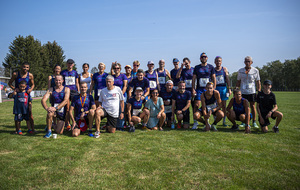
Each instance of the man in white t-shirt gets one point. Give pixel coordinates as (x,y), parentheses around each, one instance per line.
(247,78)
(110,99)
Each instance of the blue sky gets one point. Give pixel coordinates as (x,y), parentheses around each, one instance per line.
(124,31)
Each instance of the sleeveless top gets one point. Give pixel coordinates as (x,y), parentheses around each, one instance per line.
(220,77)
(239,108)
(162,77)
(52,81)
(210,103)
(152,79)
(87,80)
(19,79)
(58,97)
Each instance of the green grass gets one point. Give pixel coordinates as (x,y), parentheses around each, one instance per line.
(172,159)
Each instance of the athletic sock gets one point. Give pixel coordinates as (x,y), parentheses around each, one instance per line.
(49,131)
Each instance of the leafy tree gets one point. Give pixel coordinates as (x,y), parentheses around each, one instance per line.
(94,70)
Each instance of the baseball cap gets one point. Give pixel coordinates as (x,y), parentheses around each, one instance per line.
(150,62)
(202,54)
(175,60)
(139,88)
(267,82)
(70,61)
(127,66)
(169,81)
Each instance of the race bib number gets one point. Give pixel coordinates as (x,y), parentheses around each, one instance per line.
(61,110)
(70,80)
(152,84)
(22,100)
(248,87)
(220,79)
(188,83)
(162,80)
(136,112)
(203,82)
(168,109)
(211,106)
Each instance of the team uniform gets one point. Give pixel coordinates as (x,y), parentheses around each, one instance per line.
(203,74)
(110,100)
(248,82)
(210,103)
(154,110)
(162,78)
(144,84)
(52,84)
(187,76)
(239,108)
(21,106)
(152,79)
(19,79)
(167,96)
(174,79)
(136,106)
(99,83)
(56,99)
(70,81)
(221,83)
(181,101)
(266,104)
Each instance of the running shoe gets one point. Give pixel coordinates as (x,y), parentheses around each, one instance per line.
(172,126)
(69,127)
(131,129)
(97,134)
(195,126)
(242,125)
(103,127)
(235,127)
(161,129)
(178,125)
(275,129)
(90,135)
(48,135)
(225,124)
(255,125)
(214,127)
(19,132)
(30,131)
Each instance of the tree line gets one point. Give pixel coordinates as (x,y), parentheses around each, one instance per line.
(42,59)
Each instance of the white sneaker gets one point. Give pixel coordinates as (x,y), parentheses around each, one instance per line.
(97,134)
(195,126)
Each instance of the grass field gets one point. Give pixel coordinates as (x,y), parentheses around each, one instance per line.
(170,159)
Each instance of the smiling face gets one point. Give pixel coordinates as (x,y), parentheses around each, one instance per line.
(169,87)
(218,62)
(101,68)
(150,66)
(70,66)
(85,68)
(210,88)
(59,80)
(248,62)
(110,84)
(83,88)
(117,68)
(140,76)
(181,87)
(138,93)
(203,58)
(154,94)
(25,68)
(57,70)
(186,63)
(238,95)
(128,70)
(22,87)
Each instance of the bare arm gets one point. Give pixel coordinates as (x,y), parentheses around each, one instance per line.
(203,104)
(178,75)
(219,101)
(125,86)
(168,74)
(187,105)
(258,85)
(49,81)
(72,117)
(77,85)
(45,98)
(227,80)
(213,78)
(147,92)
(66,98)
(229,105)
(193,84)
(13,78)
(129,111)
(31,80)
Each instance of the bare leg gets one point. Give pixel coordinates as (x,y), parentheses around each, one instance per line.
(278,116)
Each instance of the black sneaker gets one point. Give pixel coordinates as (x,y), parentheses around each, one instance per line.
(235,127)
(275,129)
(132,129)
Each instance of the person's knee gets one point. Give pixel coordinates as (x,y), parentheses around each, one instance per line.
(179,116)
(91,113)
(280,115)
(138,120)
(197,115)
(147,112)
(163,115)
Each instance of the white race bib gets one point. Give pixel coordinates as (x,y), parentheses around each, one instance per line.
(211,106)
(248,87)
(136,112)
(220,79)
(61,110)
(203,82)
(22,100)
(152,84)
(70,80)
(168,109)
(162,80)
(188,83)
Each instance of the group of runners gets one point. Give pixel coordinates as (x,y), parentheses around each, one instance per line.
(152,99)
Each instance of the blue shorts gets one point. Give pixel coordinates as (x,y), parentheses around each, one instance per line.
(20,117)
(222,90)
(199,92)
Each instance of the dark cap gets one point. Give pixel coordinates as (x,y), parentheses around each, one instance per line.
(70,61)
(267,82)
(175,60)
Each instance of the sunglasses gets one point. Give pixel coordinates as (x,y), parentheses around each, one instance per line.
(136,65)
(117,68)
(203,56)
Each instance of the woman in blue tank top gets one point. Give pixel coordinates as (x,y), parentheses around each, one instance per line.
(51,78)
(211,105)
(162,74)
(240,111)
